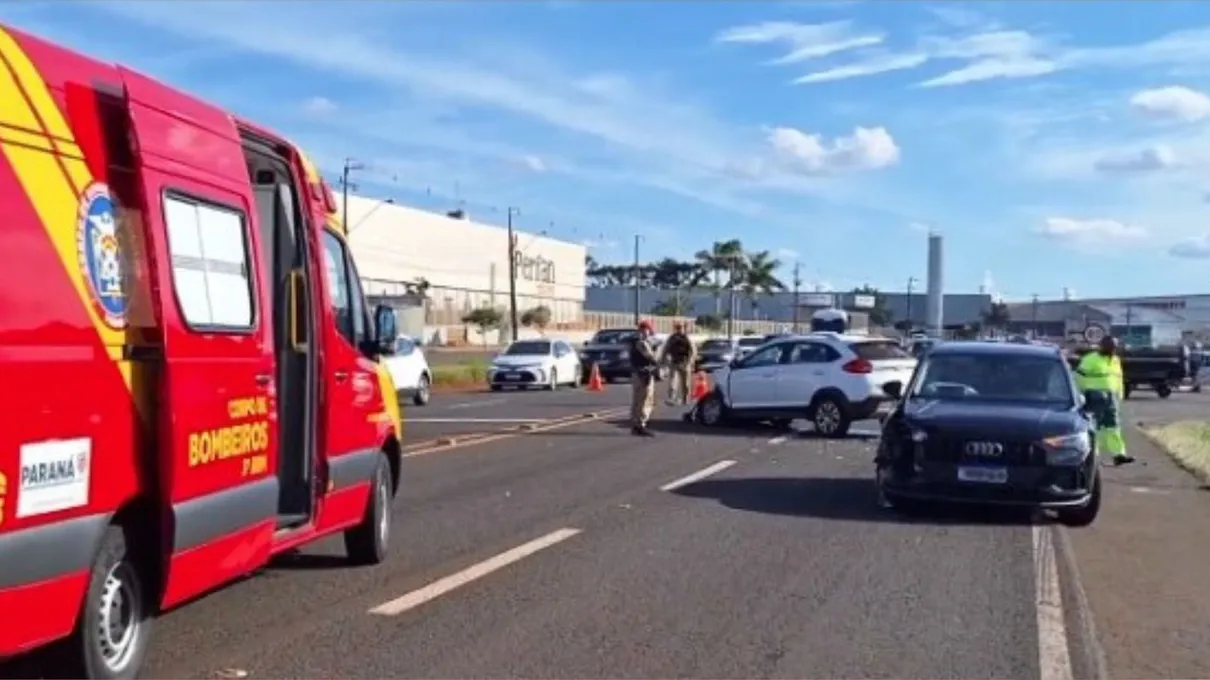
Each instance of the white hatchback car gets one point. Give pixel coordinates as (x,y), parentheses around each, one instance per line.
(827,378)
(535,363)
(409,370)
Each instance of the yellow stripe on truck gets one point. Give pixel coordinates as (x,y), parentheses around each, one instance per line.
(53,189)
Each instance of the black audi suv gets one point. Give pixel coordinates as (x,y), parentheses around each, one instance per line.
(991,423)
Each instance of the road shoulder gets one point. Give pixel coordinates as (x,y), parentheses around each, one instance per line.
(1143,568)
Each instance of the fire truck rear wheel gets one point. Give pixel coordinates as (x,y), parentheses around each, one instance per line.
(114,630)
(367,542)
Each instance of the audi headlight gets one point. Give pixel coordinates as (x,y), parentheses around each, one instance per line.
(1067,449)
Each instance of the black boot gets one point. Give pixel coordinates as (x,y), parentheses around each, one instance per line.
(1122,460)
(641,431)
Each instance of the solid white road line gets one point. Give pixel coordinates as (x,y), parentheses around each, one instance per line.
(1054,658)
(472,420)
(777,440)
(697,476)
(444,585)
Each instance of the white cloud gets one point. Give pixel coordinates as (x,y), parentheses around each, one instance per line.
(320,106)
(533,163)
(1196,248)
(1151,159)
(990,55)
(787,253)
(804,41)
(1173,103)
(867,67)
(1089,234)
(865,149)
(989,69)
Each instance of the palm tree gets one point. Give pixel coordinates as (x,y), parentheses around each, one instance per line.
(723,256)
(759,277)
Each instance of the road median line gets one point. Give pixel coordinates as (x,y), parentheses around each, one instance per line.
(453,442)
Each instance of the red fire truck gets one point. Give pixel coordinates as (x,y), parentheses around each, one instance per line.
(188,363)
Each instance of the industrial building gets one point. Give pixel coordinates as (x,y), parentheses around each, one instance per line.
(464,263)
(958,309)
(1136,321)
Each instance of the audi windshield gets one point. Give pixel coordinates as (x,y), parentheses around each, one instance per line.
(991,377)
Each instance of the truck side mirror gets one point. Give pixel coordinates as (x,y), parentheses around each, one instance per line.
(385,329)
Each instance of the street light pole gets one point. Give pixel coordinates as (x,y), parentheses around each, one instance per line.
(911,284)
(797,288)
(638,310)
(512,273)
(350,165)
(1034,316)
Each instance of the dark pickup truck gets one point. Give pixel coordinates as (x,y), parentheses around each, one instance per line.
(609,350)
(1162,369)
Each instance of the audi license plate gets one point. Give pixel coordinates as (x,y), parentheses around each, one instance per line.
(983,475)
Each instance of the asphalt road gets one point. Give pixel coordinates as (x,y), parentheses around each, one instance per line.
(586,552)
(461,414)
(775,563)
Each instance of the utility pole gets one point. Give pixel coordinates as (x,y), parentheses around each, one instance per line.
(638,310)
(797,285)
(1034,316)
(350,165)
(512,273)
(911,284)
(731,297)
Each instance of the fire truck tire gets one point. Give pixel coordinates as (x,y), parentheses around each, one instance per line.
(367,542)
(114,630)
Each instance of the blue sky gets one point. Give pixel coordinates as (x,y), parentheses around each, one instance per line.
(1054,144)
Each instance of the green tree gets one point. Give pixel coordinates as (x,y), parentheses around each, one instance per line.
(880,315)
(760,277)
(670,274)
(674,305)
(485,319)
(997,316)
(538,317)
(723,258)
(709,322)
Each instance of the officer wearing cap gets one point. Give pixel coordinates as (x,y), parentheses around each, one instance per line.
(1099,376)
(644,364)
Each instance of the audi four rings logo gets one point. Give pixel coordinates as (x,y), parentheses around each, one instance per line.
(984,449)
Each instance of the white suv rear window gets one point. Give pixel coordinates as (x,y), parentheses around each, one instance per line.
(873,351)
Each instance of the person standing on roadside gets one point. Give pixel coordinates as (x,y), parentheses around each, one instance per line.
(679,352)
(1099,376)
(644,364)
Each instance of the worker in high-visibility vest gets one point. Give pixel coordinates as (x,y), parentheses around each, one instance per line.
(1099,376)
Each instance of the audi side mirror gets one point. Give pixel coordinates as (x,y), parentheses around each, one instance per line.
(386,331)
(893,389)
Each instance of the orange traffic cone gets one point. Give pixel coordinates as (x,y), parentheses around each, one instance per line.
(595,384)
(701,386)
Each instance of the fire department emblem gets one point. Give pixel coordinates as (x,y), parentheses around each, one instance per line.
(100,253)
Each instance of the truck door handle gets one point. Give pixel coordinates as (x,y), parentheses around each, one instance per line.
(263,379)
(342,376)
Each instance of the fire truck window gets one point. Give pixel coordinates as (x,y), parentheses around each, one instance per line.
(338,285)
(362,323)
(210,263)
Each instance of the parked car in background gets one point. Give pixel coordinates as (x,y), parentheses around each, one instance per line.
(409,369)
(747,343)
(609,349)
(828,378)
(715,353)
(535,363)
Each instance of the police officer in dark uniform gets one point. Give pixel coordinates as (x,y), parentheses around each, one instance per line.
(644,366)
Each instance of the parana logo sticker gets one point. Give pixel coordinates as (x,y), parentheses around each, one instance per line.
(100,253)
